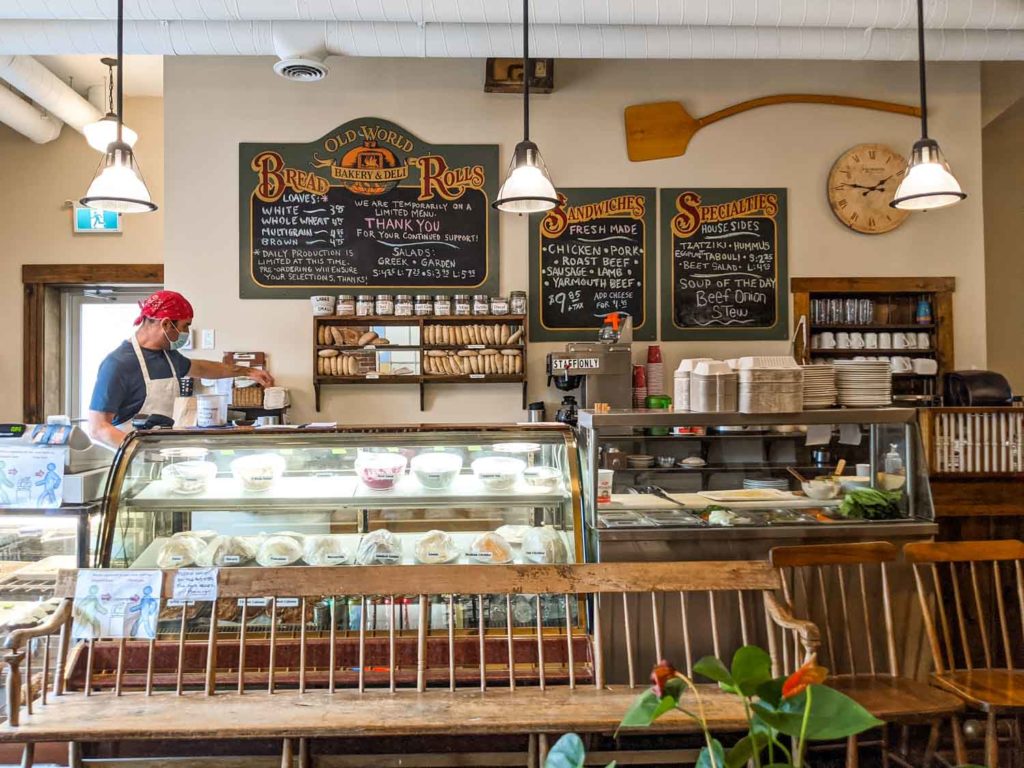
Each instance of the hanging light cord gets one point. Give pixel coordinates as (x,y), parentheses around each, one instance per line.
(120,67)
(110,87)
(526,70)
(921,69)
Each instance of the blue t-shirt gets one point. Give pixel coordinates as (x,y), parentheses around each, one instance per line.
(120,388)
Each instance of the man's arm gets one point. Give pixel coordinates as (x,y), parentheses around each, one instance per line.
(102,429)
(208,369)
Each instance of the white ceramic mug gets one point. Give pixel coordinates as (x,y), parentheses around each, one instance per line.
(924,341)
(926,365)
(828,340)
(901,365)
(911,340)
(604,485)
(863,470)
(843,340)
(885,340)
(899,341)
(816,341)
(857,340)
(871,341)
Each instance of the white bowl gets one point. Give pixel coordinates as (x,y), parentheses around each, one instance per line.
(821,489)
(189,477)
(498,473)
(434,470)
(258,472)
(542,477)
(380,471)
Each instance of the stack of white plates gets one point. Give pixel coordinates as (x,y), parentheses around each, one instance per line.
(819,386)
(778,483)
(863,383)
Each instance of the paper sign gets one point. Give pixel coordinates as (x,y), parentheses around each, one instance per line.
(849,434)
(31,477)
(195,584)
(118,603)
(819,434)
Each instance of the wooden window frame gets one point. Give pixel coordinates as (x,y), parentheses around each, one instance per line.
(41,283)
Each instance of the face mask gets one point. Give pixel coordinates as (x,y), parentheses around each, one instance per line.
(179,342)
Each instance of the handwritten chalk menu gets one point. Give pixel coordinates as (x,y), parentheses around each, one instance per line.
(589,256)
(367,207)
(724,264)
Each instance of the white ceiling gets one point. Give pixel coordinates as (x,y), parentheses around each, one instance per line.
(143,75)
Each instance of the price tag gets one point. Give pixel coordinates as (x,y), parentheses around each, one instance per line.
(195,584)
(478,375)
(370,347)
(373,375)
(232,559)
(287,602)
(474,346)
(386,558)
(339,451)
(180,603)
(254,602)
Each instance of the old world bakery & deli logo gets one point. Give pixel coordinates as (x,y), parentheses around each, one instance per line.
(369,160)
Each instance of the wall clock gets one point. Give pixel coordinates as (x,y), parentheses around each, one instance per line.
(861,184)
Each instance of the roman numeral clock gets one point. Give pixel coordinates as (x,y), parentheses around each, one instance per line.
(861,184)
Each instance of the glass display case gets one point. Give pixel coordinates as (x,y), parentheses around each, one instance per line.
(704,486)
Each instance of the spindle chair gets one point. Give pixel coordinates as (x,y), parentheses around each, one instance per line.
(504,649)
(845,589)
(972,597)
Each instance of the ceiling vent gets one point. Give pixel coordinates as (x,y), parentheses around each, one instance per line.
(301,70)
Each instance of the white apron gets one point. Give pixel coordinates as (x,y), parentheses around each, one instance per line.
(160,393)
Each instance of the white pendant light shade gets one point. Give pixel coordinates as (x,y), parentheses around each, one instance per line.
(118,184)
(928,182)
(527,187)
(102,132)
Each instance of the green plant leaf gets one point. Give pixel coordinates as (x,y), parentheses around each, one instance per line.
(675,688)
(645,709)
(751,668)
(834,715)
(743,750)
(704,759)
(714,669)
(568,752)
(771,691)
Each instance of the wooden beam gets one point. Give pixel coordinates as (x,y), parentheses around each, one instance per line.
(872,284)
(90,274)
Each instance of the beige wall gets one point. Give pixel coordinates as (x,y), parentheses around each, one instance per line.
(35,228)
(1003,145)
(211,105)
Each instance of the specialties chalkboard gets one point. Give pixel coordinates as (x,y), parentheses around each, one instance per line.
(724,264)
(590,256)
(367,207)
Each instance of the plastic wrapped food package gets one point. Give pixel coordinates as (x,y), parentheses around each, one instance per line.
(258,472)
(205,536)
(180,552)
(436,547)
(490,548)
(225,551)
(380,547)
(189,477)
(543,544)
(278,550)
(325,550)
(513,534)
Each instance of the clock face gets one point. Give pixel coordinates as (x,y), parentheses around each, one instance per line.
(861,184)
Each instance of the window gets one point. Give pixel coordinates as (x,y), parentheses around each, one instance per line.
(95,321)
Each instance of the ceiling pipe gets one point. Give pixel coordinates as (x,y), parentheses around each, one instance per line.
(849,14)
(48,91)
(26,119)
(220,38)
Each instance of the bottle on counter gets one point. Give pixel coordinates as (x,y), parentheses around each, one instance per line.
(364,305)
(384,305)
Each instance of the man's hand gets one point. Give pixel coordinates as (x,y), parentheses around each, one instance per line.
(102,429)
(260,376)
(208,369)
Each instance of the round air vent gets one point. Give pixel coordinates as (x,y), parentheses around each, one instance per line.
(301,70)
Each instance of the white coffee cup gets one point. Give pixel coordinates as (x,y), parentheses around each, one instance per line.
(322,305)
(925,365)
(857,340)
(899,341)
(924,341)
(828,340)
(871,341)
(911,340)
(843,340)
(604,485)
(863,470)
(901,365)
(885,340)
(816,341)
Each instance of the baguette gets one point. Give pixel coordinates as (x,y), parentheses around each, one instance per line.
(367,338)
(519,363)
(466,353)
(510,352)
(337,335)
(435,353)
(328,353)
(515,337)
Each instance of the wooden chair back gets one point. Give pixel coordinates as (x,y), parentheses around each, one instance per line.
(485,626)
(845,590)
(972,598)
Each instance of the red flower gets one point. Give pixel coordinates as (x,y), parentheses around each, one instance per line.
(809,674)
(660,676)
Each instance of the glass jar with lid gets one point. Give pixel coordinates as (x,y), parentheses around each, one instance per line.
(424,305)
(517,302)
(403,305)
(481,304)
(346,306)
(463,304)
(499,305)
(442,305)
(385,304)
(364,305)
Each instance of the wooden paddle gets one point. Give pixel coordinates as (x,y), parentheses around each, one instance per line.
(664,128)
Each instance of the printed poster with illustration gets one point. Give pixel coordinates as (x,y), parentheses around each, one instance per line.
(122,603)
(31,477)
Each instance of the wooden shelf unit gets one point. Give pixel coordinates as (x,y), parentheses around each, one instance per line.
(899,296)
(419,323)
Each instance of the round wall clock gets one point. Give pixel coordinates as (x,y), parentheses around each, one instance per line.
(861,184)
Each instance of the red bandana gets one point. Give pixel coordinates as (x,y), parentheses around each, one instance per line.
(161,304)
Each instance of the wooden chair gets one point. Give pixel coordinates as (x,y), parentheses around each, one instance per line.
(842,586)
(969,592)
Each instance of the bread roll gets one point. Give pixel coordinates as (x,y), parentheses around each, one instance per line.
(337,335)
(367,338)
(515,337)
(328,353)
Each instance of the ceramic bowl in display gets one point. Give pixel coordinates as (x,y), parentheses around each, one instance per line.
(498,473)
(849,482)
(380,471)
(889,481)
(189,477)
(692,462)
(820,488)
(542,477)
(258,472)
(435,470)
(640,461)
(666,461)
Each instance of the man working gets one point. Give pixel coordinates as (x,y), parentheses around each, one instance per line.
(141,375)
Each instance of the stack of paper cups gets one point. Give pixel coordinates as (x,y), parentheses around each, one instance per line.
(655,371)
(639,386)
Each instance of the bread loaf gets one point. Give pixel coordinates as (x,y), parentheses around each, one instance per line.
(337,335)
(515,337)
(328,353)
(367,338)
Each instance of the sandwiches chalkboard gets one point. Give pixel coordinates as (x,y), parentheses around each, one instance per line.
(724,264)
(367,207)
(591,255)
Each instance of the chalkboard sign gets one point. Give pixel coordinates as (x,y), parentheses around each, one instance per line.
(367,207)
(589,256)
(724,264)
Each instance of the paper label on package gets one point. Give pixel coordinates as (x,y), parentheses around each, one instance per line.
(31,477)
(254,602)
(287,602)
(116,603)
(232,559)
(340,557)
(195,584)
(477,375)
(386,558)
(180,603)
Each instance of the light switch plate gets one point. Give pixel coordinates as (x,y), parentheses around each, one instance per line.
(209,338)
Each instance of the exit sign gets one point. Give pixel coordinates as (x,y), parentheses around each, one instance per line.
(94,220)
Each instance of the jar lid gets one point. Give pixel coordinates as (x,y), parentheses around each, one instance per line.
(365,297)
(403,297)
(424,297)
(481,297)
(345,297)
(383,295)
(463,296)
(517,293)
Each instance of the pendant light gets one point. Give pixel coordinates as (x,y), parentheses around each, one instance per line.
(928,182)
(527,187)
(100,133)
(118,184)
